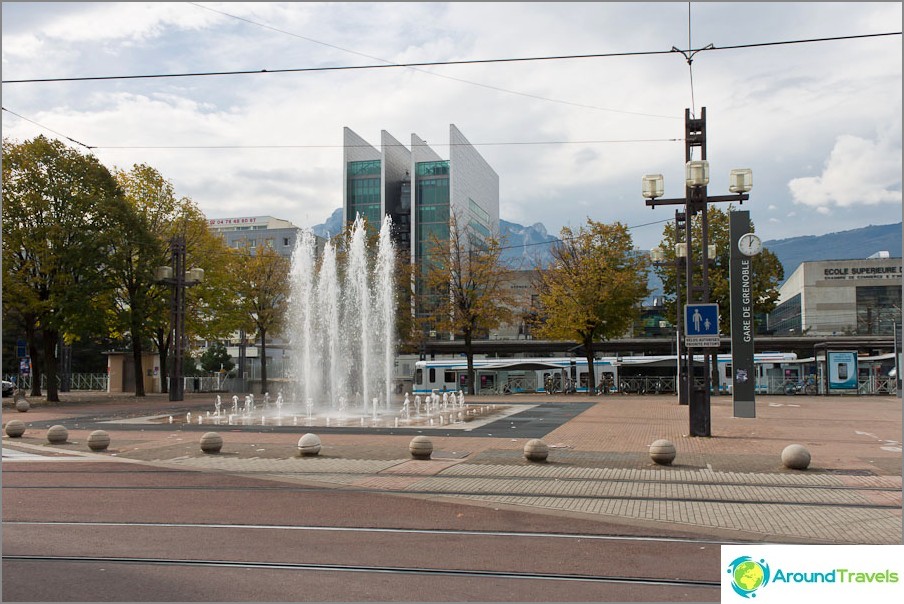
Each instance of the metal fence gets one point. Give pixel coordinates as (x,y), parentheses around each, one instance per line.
(77,381)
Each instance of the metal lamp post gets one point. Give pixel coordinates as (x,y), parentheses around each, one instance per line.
(695,201)
(178,278)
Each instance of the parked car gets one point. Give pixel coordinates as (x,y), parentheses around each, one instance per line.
(8,388)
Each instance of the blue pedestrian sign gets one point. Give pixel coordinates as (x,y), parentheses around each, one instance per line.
(701,325)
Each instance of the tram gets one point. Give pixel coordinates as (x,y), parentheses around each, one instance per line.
(628,375)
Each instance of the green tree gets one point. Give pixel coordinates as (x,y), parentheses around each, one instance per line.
(60,209)
(593,289)
(216,358)
(466,286)
(261,279)
(766,278)
(139,248)
(767,270)
(210,312)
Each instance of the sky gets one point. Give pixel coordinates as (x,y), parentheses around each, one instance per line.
(819,123)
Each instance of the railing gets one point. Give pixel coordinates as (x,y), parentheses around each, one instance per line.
(77,381)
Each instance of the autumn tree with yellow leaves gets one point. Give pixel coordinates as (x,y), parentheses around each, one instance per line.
(593,288)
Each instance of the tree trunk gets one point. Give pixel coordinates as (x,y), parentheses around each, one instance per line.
(51,339)
(263,361)
(588,350)
(469,351)
(31,336)
(137,354)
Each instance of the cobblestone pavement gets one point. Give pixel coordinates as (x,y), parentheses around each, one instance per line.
(731,485)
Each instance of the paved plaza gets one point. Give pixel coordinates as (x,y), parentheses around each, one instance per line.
(731,486)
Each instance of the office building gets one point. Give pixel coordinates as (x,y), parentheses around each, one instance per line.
(840,297)
(418,188)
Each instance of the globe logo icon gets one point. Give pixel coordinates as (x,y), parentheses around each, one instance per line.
(748,575)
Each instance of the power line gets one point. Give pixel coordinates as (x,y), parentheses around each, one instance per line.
(505,143)
(237,147)
(443,63)
(46,128)
(429,73)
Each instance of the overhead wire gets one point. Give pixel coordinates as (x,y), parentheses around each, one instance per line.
(441,63)
(430,73)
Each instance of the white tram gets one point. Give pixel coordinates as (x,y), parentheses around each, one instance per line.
(631,374)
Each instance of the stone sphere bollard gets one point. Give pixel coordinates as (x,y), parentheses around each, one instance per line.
(536,450)
(211,442)
(22,405)
(98,440)
(309,445)
(420,447)
(57,434)
(796,457)
(15,428)
(662,452)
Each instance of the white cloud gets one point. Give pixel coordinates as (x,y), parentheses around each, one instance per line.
(857,172)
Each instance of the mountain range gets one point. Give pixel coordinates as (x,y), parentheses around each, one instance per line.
(526,247)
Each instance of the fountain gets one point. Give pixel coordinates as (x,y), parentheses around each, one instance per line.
(342,324)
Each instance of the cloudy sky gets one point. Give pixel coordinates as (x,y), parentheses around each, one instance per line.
(819,123)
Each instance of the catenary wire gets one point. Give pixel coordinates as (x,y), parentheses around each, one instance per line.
(430,73)
(443,63)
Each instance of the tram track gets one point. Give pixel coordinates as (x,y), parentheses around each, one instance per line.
(483,493)
(498,477)
(398,570)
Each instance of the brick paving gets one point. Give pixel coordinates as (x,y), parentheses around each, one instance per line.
(731,485)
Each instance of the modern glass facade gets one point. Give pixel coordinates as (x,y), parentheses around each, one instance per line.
(431,204)
(420,190)
(364,191)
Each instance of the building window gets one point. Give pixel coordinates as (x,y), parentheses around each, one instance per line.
(878,309)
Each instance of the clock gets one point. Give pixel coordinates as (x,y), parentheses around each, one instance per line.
(750,245)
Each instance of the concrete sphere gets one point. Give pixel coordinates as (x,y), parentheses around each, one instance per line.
(796,457)
(309,445)
(15,428)
(22,406)
(536,450)
(420,447)
(211,442)
(662,452)
(98,440)
(57,434)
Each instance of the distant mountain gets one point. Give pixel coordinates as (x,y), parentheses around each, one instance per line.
(524,246)
(844,245)
(331,227)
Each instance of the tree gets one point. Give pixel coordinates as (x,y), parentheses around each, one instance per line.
(261,279)
(210,312)
(593,287)
(767,270)
(139,248)
(765,280)
(465,286)
(216,358)
(59,211)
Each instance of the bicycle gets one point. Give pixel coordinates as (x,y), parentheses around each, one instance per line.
(801,387)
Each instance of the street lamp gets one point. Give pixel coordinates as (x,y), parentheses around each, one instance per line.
(178,278)
(695,200)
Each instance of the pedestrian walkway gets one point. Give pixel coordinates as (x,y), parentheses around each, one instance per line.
(731,485)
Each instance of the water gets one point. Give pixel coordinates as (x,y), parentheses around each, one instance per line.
(342,324)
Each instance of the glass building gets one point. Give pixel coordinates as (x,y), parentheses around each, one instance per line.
(419,189)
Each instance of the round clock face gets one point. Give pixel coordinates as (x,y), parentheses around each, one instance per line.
(750,245)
